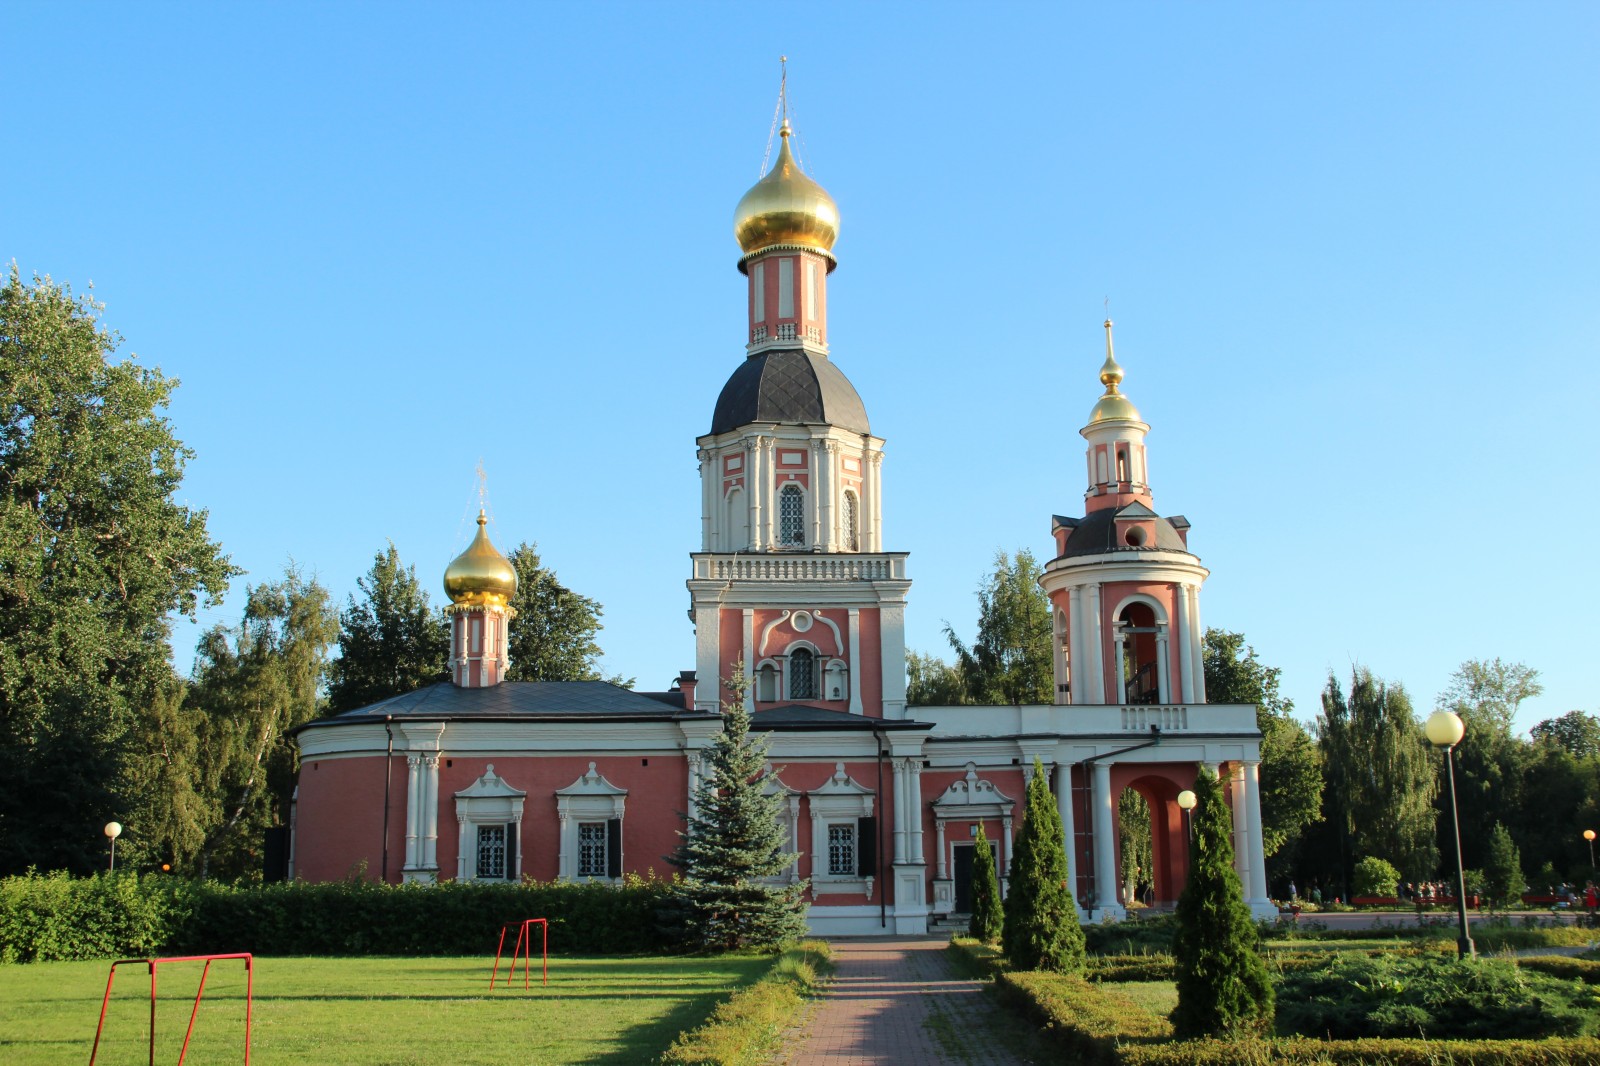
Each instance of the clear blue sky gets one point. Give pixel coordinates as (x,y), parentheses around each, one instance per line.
(1353,251)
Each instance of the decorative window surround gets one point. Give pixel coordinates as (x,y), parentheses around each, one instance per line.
(841,799)
(788,820)
(591,798)
(488,801)
(971,799)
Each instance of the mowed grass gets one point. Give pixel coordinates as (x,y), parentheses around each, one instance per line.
(434,1011)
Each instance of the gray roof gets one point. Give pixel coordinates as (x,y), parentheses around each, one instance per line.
(1096,532)
(789,385)
(521,699)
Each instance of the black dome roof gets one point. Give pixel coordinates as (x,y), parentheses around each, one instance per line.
(789,385)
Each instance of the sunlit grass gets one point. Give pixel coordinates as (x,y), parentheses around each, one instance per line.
(425,1011)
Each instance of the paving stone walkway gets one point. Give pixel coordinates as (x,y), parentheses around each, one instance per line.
(898,1001)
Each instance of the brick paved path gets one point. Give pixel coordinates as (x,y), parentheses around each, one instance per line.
(898,1001)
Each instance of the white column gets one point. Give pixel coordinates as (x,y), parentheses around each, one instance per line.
(769,494)
(1058,653)
(1185,647)
(818,534)
(1197,635)
(752,492)
(827,471)
(855,659)
(1005,828)
(692,761)
(938,838)
(1105,855)
(1241,828)
(1077,664)
(461,847)
(1063,775)
(1119,677)
(914,811)
(413,810)
(516,828)
(875,468)
(750,662)
(1256,887)
(708,508)
(430,820)
(898,769)
(1163,667)
(1094,637)
(569,848)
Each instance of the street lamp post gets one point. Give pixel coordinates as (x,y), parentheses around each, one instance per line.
(1588,834)
(113,830)
(1187,800)
(1445,730)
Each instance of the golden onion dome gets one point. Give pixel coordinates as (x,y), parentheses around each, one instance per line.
(1113,405)
(786,208)
(480,574)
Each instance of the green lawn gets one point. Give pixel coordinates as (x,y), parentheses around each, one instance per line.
(438,1012)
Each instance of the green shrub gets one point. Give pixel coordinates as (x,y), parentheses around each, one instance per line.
(1088,1023)
(1142,936)
(1567,969)
(975,958)
(1580,1052)
(1041,930)
(747,1028)
(1131,968)
(987,917)
(1374,877)
(1353,996)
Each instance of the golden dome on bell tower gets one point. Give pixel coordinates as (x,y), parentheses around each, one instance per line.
(480,574)
(1113,406)
(786,209)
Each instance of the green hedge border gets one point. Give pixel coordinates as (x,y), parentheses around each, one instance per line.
(750,1025)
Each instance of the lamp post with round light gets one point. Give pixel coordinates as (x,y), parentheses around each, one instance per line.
(113,830)
(1445,730)
(1588,834)
(1187,800)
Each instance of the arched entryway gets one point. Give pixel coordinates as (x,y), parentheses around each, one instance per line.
(1151,835)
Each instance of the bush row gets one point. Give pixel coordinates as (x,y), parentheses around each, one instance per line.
(749,1026)
(1087,1022)
(1554,1052)
(55,917)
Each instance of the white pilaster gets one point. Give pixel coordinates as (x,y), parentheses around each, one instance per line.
(1058,653)
(1256,889)
(1105,856)
(709,476)
(1119,679)
(901,794)
(1094,636)
(413,810)
(914,812)
(855,660)
(1197,635)
(1163,666)
(818,538)
(1242,852)
(1077,662)
(752,491)
(430,820)
(750,660)
(892,638)
(938,839)
(875,461)
(1063,782)
(1185,647)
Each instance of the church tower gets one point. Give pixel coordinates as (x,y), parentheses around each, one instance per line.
(791,579)
(480,583)
(1124,588)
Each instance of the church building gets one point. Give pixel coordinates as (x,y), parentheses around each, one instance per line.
(796,584)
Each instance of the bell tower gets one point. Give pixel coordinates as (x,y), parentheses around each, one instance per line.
(791,579)
(1123,586)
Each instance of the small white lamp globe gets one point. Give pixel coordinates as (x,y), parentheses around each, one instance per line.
(1445,729)
(113,829)
(1187,800)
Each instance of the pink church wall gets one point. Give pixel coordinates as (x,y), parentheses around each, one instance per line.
(339,818)
(871,664)
(809,776)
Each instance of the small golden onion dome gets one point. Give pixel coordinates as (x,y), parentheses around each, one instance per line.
(1113,405)
(480,574)
(786,207)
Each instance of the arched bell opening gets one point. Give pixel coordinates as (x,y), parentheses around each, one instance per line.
(1141,667)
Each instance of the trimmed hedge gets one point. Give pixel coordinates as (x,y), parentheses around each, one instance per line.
(1570,969)
(1089,1023)
(1132,968)
(750,1025)
(55,917)
(1554,1052)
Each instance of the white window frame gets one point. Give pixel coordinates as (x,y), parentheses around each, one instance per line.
(591,798)
(792,491)
(840,800)
(488,801)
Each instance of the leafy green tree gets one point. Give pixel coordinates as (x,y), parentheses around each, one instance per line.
(1381,773)
(255,684)
(1503,882)
(932,682)
(1560,798)
(1576,732)
(1291,768)
(1011,661)
(1041,929)
(168,799)
(987,916)
(552,637)
(390,641)
(1223,986)
(732,845)
(1375,877)
(96,555)
(1489,760)
(1487,694)
(1135,844)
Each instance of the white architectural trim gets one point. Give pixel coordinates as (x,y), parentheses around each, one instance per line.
(591,798)
(489,800)
(841,799)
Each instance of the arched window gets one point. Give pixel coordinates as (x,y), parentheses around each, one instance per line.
(766,683)
(802,674)
(791,516)
(852,522)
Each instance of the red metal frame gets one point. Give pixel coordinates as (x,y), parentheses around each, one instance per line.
(524,948)
(151,964)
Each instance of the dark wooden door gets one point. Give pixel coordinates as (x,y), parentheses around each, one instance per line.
(963,876)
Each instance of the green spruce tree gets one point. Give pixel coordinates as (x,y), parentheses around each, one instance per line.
(987,917)
(1223,987)
(1502,870)
(1041,921)
(733,849)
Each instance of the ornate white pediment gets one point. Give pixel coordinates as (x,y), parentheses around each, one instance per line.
(772,784)
(591,783)
(972,797)
(490,786)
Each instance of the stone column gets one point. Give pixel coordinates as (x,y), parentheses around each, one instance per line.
(752,491)
(430,821)
(875,462)
(938,838)
(1197,644)
(819,529)
(1094,637)
(413,811)
(1163,665)
(1185,647)
(1005,825)
(898,768)
(854,620)
(1077,663)
(708,476)
(1105,855)
(1119,680)
(914,811)
(1063,776)
(1241,828)
(1059,654)
(1256,888)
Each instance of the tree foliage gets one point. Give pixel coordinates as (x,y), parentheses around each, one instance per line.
(96,554)
(1489,760)
(1503,882)
(253,684)
(552,637)
(1381,776)
(732,846)
(1487,693)
(1223,985)
(1291,768)
(1375,877)
(1041,929)
(1135,842)
(1011,661)
(390,641)
(932,682)
(987,916)
(1577,733)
